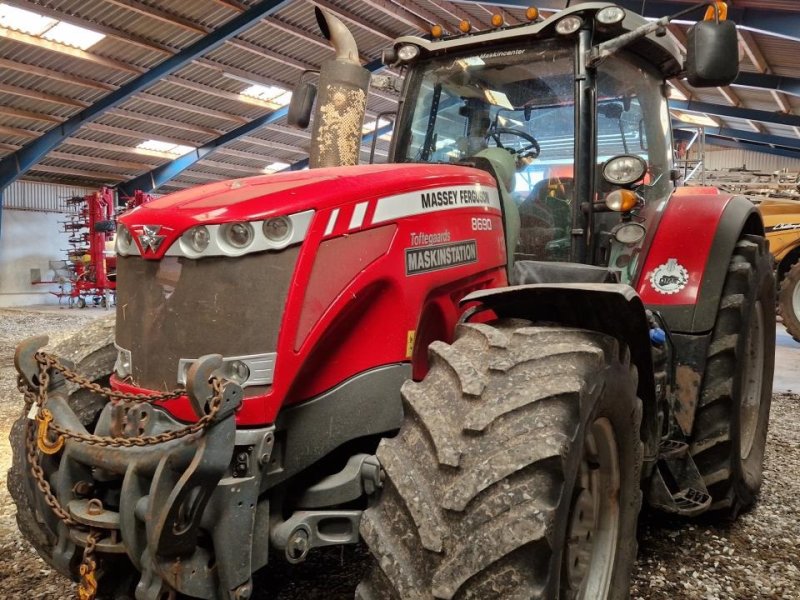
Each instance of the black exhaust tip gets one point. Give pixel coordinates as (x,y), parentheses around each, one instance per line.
(322,22)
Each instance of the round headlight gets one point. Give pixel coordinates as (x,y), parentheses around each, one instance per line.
(238,235)
(197,238)
(629,233)
(569,25)
(237,371)
(621,200)
(624,170)
(277,229)
(610,15)
(124,240)
(408,52)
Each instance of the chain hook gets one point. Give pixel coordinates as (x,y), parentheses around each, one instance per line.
(87,588)
(44,418)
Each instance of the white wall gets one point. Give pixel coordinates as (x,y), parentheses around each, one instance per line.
(30,237)
(755,161)
(29,240)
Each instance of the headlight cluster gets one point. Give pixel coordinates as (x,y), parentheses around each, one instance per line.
(244,237)
(606,17)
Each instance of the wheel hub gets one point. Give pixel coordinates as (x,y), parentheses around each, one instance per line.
(750,405)
(594,517)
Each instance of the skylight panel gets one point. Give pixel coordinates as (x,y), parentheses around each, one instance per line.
(168,147)
(73,35)
(276,166)
(369,126)
(696,119)
(271,96)
(25,21)
(32,23)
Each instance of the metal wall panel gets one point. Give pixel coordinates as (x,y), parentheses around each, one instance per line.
(754,161)
(40,197)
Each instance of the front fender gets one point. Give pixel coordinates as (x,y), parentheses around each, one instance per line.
(611,308)
(698,232)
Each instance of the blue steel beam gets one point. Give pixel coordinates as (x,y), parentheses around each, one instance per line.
(762,81)
(17,164)
(781,23)
(161,175)
(716,140)
(748,114)
(747,136)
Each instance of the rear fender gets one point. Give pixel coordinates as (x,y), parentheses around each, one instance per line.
(699,232)
(613,309)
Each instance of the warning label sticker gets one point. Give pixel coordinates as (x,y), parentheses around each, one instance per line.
(442,256)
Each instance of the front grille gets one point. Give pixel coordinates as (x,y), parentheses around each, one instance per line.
(183,308)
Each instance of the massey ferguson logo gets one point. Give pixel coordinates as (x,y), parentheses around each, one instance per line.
(149,238)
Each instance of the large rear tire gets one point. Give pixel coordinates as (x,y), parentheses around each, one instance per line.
(516,473)
(730,427)
(789,301)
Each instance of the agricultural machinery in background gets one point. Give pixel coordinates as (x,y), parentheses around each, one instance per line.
(88,275)
(480,358)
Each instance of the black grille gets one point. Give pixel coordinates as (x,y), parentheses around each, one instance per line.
(182,308)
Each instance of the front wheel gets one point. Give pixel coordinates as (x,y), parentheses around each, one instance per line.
(516,473)
(730,427)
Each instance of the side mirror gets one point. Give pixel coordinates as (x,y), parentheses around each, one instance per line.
(712,54)
(301,104)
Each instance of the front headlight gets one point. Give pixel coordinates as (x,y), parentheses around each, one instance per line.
(569,25)
(124,241)
(610,15)
(277,229)
(237,235)
(624,169)
(196,239)
(408,52)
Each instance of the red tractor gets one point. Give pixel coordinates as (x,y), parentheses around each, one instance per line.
(480,358)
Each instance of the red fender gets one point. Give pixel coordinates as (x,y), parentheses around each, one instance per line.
(685,235)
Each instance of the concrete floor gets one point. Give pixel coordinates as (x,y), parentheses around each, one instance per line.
(787,363)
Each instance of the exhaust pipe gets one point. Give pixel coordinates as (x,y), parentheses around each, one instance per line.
(341,100)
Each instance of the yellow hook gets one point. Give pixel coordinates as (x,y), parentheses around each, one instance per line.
(45,445)
(87,588)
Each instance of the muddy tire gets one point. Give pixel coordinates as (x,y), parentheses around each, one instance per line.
(499,484)
(730,428)
(92,351)
(789,301)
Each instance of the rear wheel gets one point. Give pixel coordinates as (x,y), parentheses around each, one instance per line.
(730,428)
(516,474)
(789,301)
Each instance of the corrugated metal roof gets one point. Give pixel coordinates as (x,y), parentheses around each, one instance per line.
(41,87)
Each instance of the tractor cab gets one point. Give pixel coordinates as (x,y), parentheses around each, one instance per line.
(569,112)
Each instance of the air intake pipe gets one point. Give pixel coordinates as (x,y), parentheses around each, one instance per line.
(341,99)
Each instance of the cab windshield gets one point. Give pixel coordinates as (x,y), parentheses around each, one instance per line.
(521,99)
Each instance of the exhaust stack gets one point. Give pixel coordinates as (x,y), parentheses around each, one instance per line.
(341,100)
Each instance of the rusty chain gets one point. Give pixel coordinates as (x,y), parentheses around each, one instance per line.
(36,438)
(87,588)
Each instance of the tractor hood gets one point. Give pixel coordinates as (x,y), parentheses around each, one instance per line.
(258,198)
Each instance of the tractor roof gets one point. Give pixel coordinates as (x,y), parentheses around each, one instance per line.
(662,52)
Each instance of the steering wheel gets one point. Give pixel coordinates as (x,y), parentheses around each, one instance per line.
(530,151)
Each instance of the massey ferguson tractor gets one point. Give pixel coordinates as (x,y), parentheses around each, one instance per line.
(480,358)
